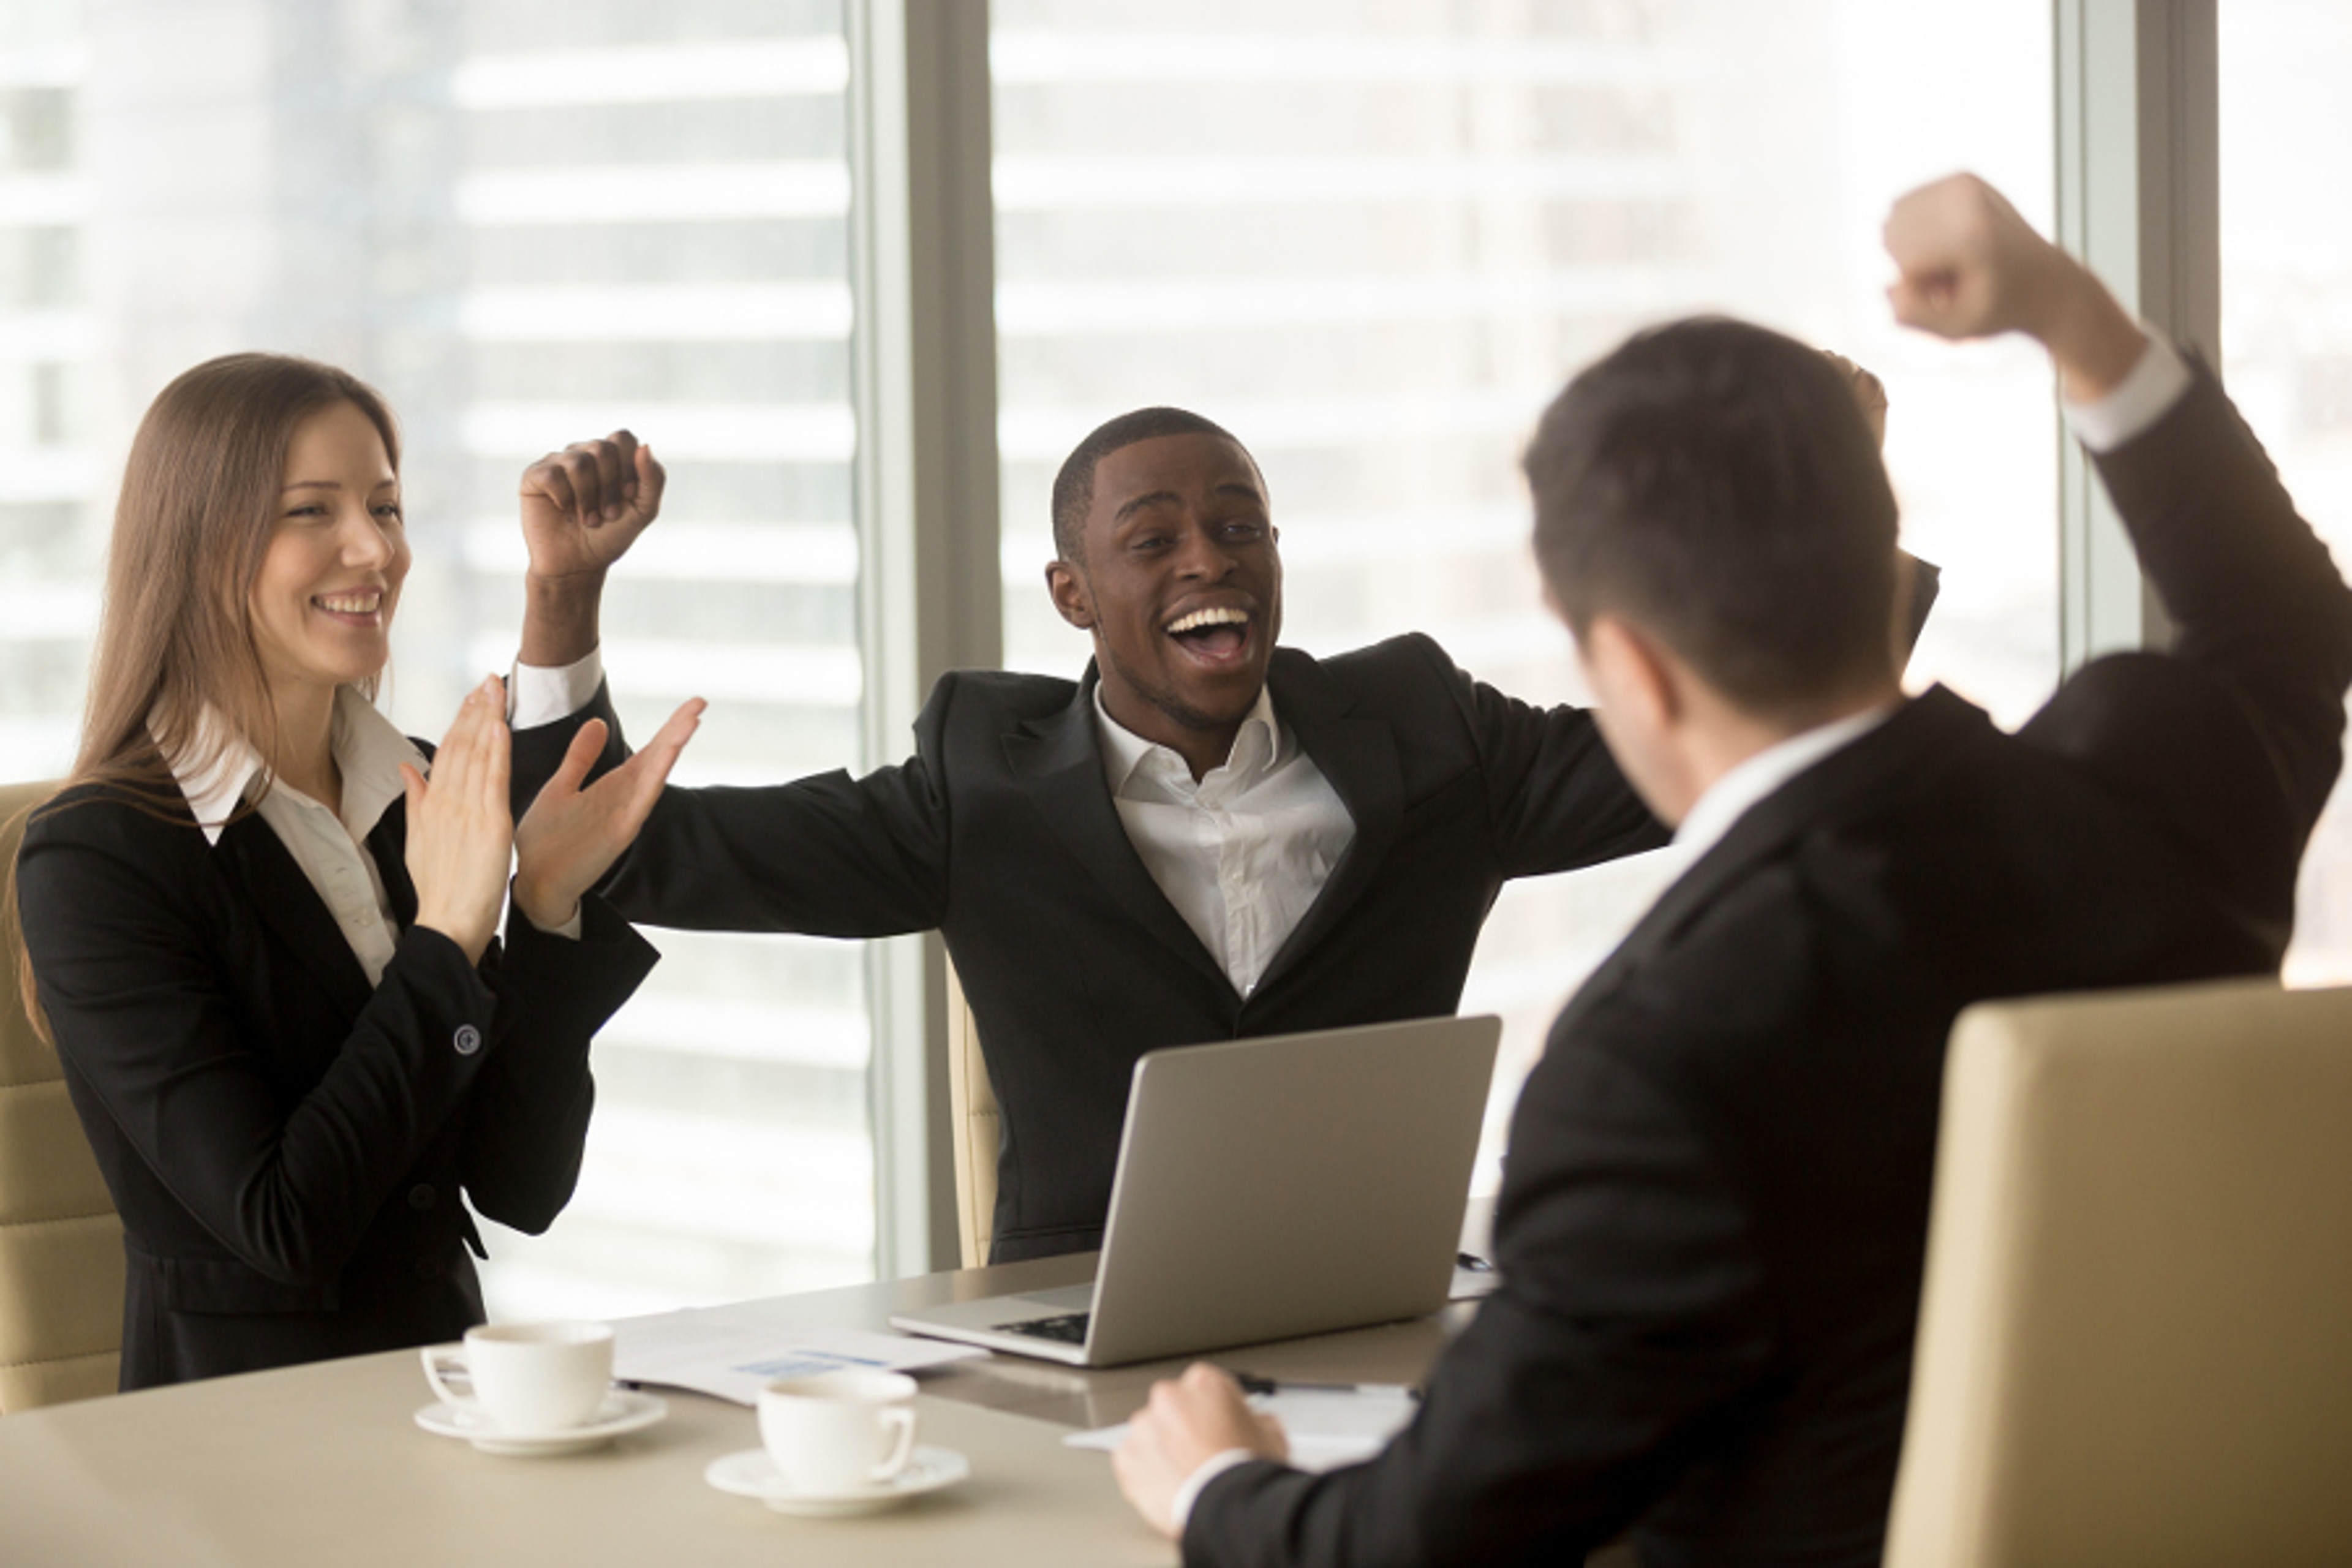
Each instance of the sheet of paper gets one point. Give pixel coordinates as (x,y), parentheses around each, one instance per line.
(1328,1428)
(1469,1284)
(732,1350)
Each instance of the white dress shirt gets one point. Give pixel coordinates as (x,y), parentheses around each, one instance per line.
(330,848)
(1242,855)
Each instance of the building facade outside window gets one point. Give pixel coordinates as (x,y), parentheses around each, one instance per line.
(2286,332)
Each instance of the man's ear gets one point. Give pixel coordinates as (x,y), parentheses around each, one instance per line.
(1631,674)
(1067,586)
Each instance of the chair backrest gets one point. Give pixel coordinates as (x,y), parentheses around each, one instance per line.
(977,1128)
(2135,1339)
(60,1240)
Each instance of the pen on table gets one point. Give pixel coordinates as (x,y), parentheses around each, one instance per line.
(1253,1384)
(1473,1262)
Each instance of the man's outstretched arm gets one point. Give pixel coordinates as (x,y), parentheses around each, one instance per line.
(826,856)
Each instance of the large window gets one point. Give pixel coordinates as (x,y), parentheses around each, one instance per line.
(528,222)
(1371,237)
(1372,241)
(2286,328)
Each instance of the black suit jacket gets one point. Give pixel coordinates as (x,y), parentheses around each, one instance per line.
(1000,832)
(1714,1210)
(287,1147)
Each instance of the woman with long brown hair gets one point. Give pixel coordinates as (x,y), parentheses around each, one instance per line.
(261,923)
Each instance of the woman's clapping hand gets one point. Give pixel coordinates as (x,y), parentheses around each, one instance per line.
(460,828)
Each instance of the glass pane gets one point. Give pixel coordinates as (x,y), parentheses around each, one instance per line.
(2287,330)
(1373,240)
(528,221)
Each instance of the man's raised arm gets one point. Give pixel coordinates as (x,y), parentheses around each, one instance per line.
(2257,602)
(582,510)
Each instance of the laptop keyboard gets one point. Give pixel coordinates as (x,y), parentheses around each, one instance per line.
(1069,1329)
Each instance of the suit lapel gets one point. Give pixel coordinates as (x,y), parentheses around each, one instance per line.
(1357,757)
(1060,759)
(253,855)
(1906,741)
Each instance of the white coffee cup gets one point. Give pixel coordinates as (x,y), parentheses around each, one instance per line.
(526,1377)
(838,1431)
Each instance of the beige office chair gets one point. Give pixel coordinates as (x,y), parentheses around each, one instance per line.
(2135,1335)
(976,1127)
(60,1240)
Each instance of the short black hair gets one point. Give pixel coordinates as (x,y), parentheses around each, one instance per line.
(1074,487)
(1714,483)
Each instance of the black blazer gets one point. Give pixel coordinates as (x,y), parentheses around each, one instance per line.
(1714,1209)
(1001,833)
(287,1147)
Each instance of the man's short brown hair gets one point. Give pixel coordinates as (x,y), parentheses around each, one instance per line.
(1713,483)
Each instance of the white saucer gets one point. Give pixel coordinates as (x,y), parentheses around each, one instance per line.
(623,1410)
(752,1474)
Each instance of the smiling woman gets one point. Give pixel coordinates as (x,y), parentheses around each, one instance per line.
(264,942)
(322,606)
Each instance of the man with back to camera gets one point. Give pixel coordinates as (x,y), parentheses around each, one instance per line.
(1209,836)
(1713,1219)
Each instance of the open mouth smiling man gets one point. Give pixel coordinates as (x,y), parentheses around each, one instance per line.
(1208,837)
(1180,583)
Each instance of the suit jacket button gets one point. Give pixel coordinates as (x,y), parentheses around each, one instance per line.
(421,1195)
(468,1039)
(428,1267)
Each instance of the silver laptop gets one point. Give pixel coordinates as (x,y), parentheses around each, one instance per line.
(1267,1188)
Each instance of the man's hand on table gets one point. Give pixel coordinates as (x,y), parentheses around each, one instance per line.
(1188,1421)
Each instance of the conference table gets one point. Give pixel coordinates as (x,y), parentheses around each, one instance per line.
(324,1463)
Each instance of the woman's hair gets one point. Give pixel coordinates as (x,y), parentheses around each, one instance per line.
(199,506)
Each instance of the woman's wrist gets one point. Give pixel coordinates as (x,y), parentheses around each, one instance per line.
(548,909)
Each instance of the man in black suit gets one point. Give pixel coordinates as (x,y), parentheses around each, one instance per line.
(1714,1209)
(1208,837)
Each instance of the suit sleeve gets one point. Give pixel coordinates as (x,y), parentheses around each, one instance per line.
(825,856)
(1627,1317)
(155,1037)
(2234,738)
(1554,794)
(2256,597)
(527,1118)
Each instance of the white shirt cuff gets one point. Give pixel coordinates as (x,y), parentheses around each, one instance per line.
(2159,381)
(536,695)
(1179,1508)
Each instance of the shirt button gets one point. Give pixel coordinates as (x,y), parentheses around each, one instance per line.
(421,1196)
(468,1039)
(367,917)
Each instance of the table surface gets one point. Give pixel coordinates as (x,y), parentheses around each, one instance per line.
(324,1463)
